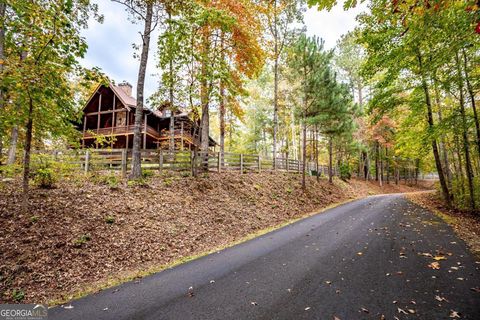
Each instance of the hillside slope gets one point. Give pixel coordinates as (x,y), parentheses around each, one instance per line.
(80,237)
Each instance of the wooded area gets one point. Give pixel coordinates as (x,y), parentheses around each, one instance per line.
(400,91)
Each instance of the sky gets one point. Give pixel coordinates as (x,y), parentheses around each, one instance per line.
(110,43)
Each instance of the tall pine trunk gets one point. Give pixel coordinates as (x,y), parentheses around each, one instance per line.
(466,144)
(330,159)
(436,155)
(137,136)
(443,151)
(27,150)
(171,95)
(3,8)
(204,98)
(472,101)
(221,112)
(275,85)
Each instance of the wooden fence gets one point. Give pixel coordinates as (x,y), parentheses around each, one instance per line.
(89,160)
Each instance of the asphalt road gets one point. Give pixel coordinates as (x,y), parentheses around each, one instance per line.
(361,260)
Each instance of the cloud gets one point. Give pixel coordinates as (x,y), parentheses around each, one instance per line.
(331,25)
(110,46)
(110,43)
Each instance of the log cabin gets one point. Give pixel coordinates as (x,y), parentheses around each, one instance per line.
(110,113)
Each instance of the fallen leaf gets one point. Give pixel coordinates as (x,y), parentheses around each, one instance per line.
(438,258)
(328,282)
(434,265)
(461,279)
(411,311)
(365,310)
(307,308)
(105,309)
(336,318)
(401,311)
(212,281)
(476,289)
(438,298)
(454,314)
(359,253)
(253,303)
(68,307)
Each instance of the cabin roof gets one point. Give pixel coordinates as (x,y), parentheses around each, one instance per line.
(126,99)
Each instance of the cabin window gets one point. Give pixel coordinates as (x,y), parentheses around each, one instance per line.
(121,119)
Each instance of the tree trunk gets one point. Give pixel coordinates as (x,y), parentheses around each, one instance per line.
(3,7)
(330,159)
(27,149)
(137,136)
(443,151)
(380,165)
(387,165)
(466,145)
(316,153)
(304,147)
(12,149)
(472,101)
(377,173)
(204,98)
(275,85)
(171,95)
(221,113)
(438,164)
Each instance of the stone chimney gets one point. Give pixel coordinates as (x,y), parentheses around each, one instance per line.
(126,87)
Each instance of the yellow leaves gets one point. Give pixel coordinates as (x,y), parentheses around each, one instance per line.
(2,61)
(438,258)
(434,265)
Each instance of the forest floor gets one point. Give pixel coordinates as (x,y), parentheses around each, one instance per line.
(81,236)
(465,224)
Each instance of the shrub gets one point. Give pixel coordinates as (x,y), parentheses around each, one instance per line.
(18,295)
(110,180)
(147,174)
(45,177)
(345,172)
(109,219)
(84,238)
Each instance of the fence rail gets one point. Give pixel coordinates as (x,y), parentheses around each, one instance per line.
(120,160)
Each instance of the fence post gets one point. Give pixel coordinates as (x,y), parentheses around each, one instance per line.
(241,162)
(87,160)
(219,164)
(160,162)
(259,164)
(298,163)
(124,163)
(286,163)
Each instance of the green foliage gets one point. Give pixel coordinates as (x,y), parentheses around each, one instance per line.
(10,171)
(345,172)
(138,183)
(148,174)
(110,219)
(80,241)
(18,295)
(45,178)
